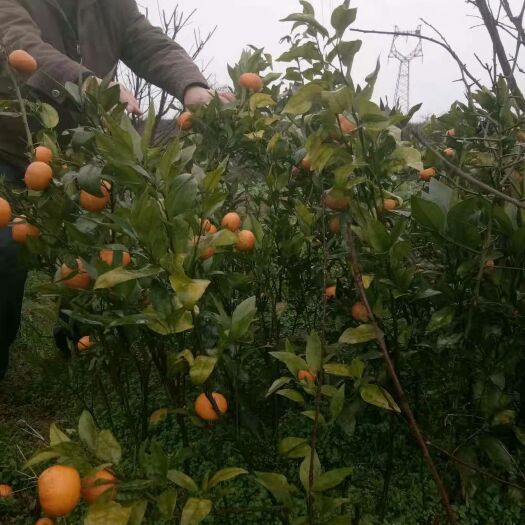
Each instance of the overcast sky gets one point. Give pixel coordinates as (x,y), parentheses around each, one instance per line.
(242,22)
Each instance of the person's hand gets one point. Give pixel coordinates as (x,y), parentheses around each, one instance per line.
(199,96)
(127,97)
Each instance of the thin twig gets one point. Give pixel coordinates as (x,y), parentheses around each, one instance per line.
(467,176)
(403,400)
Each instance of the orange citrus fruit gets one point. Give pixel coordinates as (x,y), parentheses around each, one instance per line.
(204,252)
(204,409)
(97,484)
(43,154)
(22,61)
(231,221)
(245,241)
(59,490)
(345,124)
(21,230)
(185,120)
(6,491)
(251,81)
(306,374)
(427,174)
(45,521)
(451,133)
(449,152)
(489,265)
(208,226)
(359,312)
(335,224)
(306,164)
(84,343)
(336,200)
(93,203)
(38,176)
(389,204)
(5,213)
(159,415)
(107,256)
(81,279)
(329,292)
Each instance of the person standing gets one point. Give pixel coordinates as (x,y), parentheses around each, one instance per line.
(72,40)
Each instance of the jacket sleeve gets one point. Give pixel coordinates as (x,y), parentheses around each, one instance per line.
(19,31)
(154,56)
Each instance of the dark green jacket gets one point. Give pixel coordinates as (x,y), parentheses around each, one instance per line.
(107,31)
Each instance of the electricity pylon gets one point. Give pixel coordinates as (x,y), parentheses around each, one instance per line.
(402,94)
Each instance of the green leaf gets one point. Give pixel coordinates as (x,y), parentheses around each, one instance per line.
(107,513)
(314,352)
(428,214)
(87,430)
(353,370)
(292,361)
(138,511)
(108,448)
(183,481)
(377,236)
(379,397)
(337,402)
(293,447)
(342,17)
(41,457)
(302,101)
(147,133)
(497,452)
(278,383)
(261,100)
(122,275)
(195,510)
(362,334)
(182,195)
(304,471)
(292,395)
(225,474)
(338,101)
(189,291)
(307,20)
(277,485)
(329,480)
(56,436)
(242,318)
(167,502)
(441,319)
(408,157)
(48,116)
(202,368)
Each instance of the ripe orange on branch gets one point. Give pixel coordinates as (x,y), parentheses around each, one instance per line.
(108,257)
(245,241)
(84,343)
(6,491)
(45,521)
(449,152)
(346,126)
(389,204)
(306,164)
(21,230)
(359,312)
(231,221)
(336,200)
(306,374)
(59,490)
(251,81)
(22,61)
(81,280)
(5,213)
(38,176)
(94,486)
(204,409)
(208,226)
(185,120)
(335,224)
(330,292)
(93,203)
(43,154)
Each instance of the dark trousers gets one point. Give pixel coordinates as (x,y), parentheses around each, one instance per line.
(13,275)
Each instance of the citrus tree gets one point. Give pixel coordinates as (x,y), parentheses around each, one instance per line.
(307,293)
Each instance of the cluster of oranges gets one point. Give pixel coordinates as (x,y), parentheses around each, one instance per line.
(60,489)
